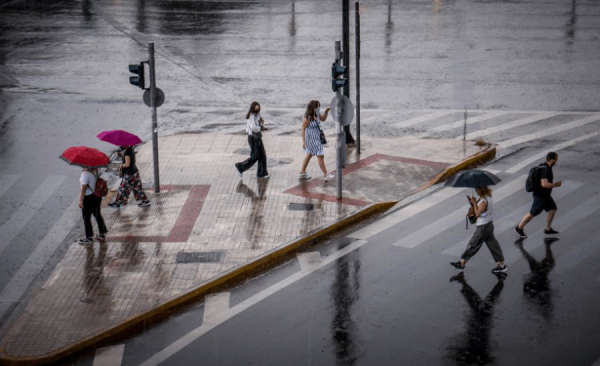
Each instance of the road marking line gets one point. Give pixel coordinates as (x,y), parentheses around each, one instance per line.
(405,213)
(509,125)
(20,218)
(421,119)
(548,131)
(187,339)
(36,261)
(542,155)
(445,223)
(6,181)
(577,255)
(109,356)
(460,123)
(564,222)
(216,308)
(509,221)
(308,261)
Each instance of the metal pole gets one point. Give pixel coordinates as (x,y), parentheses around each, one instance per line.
(154,115)
(357,51)
(346,55)
(340,143)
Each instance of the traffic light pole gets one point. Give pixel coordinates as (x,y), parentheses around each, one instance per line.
(340,135)
(346,54)
(357,51)
(154,115)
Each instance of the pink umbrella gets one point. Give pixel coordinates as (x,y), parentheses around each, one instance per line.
(119,138)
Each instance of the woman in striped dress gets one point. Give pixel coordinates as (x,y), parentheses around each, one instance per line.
(311,138)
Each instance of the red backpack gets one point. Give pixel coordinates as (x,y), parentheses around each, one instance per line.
(101,189)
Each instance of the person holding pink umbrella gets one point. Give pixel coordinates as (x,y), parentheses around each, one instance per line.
(131,181)
(129,171)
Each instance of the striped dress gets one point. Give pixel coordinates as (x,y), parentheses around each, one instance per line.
(312,137)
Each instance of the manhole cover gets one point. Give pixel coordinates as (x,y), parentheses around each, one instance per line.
(198,257)
(301,206)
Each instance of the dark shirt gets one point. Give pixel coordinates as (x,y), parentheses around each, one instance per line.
(545,173)
(132,169)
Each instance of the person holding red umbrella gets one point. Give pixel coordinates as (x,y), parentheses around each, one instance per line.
(90,160)
(131,181)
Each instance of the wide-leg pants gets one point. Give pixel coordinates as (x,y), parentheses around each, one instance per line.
(484,234)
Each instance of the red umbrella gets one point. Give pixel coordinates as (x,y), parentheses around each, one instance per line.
(119,138)
(85,157)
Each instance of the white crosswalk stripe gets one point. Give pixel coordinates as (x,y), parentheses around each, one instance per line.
(445,223)
(509,125)
(19,219)
(7,181)
(549,131)
(538,157)
(470,121)
(580,253)
(422,119)
(508,222)
(109,356)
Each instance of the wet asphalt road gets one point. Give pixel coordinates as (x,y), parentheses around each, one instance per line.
(63,67)
(389,302)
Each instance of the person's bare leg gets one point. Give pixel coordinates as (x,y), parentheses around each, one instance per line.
(525,220)
(549,219)
(305,163)
(321,160)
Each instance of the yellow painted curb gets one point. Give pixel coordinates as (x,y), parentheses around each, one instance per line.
(227,279)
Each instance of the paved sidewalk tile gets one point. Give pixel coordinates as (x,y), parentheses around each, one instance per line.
(207,220)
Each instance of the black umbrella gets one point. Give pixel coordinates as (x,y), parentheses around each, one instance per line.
(472,179)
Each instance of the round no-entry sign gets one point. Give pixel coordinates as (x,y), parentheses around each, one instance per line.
(346,115)
(160,97)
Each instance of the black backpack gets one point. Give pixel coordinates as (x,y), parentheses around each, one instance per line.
(533,182)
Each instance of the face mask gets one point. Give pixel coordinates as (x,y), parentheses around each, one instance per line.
(256,111)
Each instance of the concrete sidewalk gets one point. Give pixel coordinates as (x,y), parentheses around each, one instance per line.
(207,222)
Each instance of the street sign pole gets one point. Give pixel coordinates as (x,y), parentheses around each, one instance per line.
(346,58)
(357,51)
(154,115)
(340,136)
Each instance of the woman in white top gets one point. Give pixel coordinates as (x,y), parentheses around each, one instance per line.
(254,125)
(484,232)
(89,204)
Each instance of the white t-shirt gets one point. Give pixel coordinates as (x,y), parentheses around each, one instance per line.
(486,217)
(253,123)
(88,179)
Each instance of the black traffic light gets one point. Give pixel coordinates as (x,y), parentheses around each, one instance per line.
(137,80)
(336,71)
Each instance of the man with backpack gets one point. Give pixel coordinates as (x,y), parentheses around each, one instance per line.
(540,182)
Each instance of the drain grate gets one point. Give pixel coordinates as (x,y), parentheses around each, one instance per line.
(199,257)
(300,206)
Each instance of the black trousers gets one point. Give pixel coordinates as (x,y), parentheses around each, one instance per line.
(257,153)
(91,206)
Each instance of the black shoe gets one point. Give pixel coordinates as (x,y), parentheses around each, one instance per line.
(550,232)
(549,241)
(457,265)
(100,237)
(144,204)
(238,170)
(520,232)
(499,269)
(114,205)
(86,241)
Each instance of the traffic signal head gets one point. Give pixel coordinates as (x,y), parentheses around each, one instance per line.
(137,80)
(336,71)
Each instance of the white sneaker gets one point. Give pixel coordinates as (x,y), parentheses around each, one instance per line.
(328,177)
(304,176)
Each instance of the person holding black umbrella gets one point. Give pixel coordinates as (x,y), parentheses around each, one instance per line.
(483,208)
